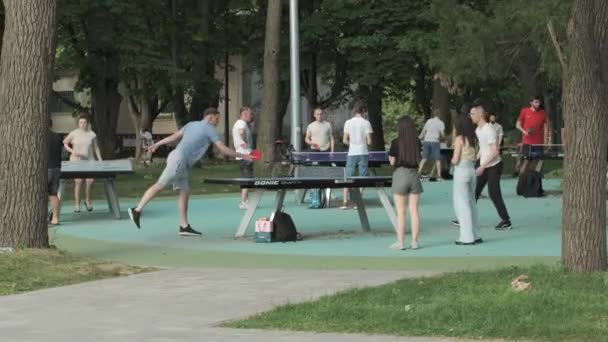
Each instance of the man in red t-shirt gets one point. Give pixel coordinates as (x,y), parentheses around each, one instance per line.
(533,124)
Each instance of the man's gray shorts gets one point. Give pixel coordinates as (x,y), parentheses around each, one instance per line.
(176,172)
(246,168)
(54,176)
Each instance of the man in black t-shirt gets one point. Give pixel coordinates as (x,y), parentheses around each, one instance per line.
(55,145)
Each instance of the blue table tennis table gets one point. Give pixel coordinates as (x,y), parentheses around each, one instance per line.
(329,158)
(106,170)
(540,152)
(281,185)
(338,159)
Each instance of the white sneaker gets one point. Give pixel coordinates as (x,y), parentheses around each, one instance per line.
(244,205)
(398,246)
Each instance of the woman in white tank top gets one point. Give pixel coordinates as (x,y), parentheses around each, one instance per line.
(464,157)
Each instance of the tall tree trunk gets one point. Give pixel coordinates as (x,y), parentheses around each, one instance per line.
(527,69)
(1,26)
(586,116)
(105,107)
(179,107)
(420,91)
(180,110)
(441,101)
(284,99)
(135,114)
(143,108)
(105,96)
(309,84)
(26,68)
(150,111)
(270,128)
(373,99)
(206,87)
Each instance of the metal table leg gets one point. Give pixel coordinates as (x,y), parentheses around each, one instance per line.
(254,201)
(112,197)
(278,202)
(328,198)
(355,194)
(388,207)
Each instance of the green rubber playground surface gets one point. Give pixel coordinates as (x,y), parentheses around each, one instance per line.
(332,237)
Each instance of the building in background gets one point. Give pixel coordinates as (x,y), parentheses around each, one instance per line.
(244,89)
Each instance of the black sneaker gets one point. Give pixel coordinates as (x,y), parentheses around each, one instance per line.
(460,243)
(188,231)
(456,223)
(504,225)
(480,240)
(134,215)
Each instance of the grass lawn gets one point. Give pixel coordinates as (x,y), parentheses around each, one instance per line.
(134,185)
(33,269)
(560,306)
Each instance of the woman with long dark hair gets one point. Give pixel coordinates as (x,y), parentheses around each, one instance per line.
(466,148)
(404,156)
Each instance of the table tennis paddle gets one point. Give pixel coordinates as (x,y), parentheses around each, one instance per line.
(315,146)
(255,155)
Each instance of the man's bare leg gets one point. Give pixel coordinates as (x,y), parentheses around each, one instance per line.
(54,209)
(244,197)
(184,196)
(422,162)
(77,187)
(438,166)
(87,193)
(149,195)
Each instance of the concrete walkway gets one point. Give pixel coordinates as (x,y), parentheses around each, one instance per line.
(179,305)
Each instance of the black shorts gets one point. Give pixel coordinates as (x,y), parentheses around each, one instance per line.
(54,176)
(246,168)
(532,152)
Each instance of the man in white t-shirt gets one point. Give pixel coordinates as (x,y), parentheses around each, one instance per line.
(318,133)
(500,134)
(243,143)
(490,166)
(357,135)
(431,135)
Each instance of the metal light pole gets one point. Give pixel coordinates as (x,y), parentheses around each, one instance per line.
(294,52)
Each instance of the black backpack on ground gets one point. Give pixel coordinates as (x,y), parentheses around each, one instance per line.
(530,184)
(283,228)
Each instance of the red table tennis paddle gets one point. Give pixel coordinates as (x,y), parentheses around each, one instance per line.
(315,146)
(255,155)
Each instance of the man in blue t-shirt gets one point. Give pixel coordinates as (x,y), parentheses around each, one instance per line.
(196,137)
